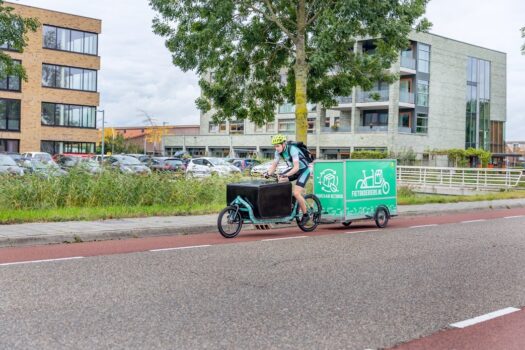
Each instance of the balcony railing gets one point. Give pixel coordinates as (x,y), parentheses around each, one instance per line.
(344,99)
(404,130)
(334,129)
(408,62)
(372,129)
(406,97)
(372,96)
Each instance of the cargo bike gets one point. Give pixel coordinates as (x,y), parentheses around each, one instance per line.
(353,189)
(262,203)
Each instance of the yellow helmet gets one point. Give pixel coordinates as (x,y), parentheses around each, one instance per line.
(278,139)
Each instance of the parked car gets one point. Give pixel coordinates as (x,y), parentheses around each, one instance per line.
(201,167)
(244,163)
(127,165)
(9,167)
(260,169)
(98,158)
(166,164)
(88,165)
(43,169)
(14,155)
(40,156)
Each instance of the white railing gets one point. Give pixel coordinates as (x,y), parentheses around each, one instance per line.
(464,178)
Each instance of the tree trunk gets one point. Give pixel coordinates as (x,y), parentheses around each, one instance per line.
(301,76)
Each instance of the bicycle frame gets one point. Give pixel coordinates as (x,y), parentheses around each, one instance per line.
(244,206)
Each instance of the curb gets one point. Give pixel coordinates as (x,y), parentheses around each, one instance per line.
(78,237)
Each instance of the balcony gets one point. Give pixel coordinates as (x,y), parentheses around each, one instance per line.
(372,129)
(344,99)
(332,129)
(373,96)
(404,130)
(408,63)
(406,97)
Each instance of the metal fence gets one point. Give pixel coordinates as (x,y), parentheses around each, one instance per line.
(464,178)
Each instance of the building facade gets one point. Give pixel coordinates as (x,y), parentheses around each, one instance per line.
(449,94)
(55,111)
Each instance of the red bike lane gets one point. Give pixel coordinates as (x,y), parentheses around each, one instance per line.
(501,333)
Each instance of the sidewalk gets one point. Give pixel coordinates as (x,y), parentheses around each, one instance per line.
(77,231)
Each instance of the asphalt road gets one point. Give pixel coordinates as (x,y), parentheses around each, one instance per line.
(361,290)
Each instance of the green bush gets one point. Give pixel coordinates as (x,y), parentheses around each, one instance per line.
(369,155)
(78,189)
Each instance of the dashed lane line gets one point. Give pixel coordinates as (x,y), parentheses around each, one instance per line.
(41,261)
(280,239)
(484,318)
(514,217)
(471,221)
(419,226)
(360,231)
(180,248)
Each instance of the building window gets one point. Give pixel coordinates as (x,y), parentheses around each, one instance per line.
(478,133)
(12,82)
(422,93)
(58,147)
(422,123)
(236,127)
(371,149)
(70,40)
(286,126)
(375,119)
(7,145)
(9,115)
(71,78)
(423,58)
(497,143)
(55,114)
(405,119)
(311,126)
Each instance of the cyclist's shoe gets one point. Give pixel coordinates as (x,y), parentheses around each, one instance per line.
(305,219)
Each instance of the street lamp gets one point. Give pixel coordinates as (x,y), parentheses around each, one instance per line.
(102,145)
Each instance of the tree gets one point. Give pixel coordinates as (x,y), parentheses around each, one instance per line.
(242,48)
(13,30)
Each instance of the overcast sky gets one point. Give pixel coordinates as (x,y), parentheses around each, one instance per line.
(137,73)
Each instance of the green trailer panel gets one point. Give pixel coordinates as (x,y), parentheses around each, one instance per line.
(354,189)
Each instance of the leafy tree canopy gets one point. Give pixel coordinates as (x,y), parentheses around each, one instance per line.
(242,49)
(13,30)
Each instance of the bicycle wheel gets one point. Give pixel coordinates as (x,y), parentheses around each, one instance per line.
(229,222)
(381,218)
(313,205)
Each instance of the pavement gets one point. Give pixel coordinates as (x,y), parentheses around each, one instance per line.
(84,231)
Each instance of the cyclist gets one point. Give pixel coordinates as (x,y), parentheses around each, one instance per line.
(298,170)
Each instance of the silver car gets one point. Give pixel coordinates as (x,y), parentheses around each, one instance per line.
(9,167)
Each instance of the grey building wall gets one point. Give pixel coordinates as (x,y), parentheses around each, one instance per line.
(446,110)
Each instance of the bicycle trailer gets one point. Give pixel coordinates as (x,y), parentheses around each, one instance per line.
(352,190)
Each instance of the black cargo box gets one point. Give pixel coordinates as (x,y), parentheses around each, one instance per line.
(270,200)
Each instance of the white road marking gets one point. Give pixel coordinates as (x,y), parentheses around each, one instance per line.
(485,317)
(469,221)
(361,231)
(514,217)
(430,225)
(180,248)
(279,239)
(41,261)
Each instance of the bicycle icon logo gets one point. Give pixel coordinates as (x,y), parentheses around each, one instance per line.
(374,181)
(329,181)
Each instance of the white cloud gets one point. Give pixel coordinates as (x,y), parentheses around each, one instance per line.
(137,72)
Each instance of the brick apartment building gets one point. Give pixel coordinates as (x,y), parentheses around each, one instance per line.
(56,109)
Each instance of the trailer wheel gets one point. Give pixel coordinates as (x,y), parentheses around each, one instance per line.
(347,223)
(381,217)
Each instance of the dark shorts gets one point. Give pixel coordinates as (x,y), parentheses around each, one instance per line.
(301,176)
